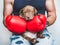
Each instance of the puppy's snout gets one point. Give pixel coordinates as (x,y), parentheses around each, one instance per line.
(28,17)
(32,17)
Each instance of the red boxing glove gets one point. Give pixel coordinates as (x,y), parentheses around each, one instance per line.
(15,24)
(43,18)
(37,24)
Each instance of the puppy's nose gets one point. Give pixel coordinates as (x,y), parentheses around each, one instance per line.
(28,17)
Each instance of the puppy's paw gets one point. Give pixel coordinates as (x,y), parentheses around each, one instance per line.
(41,36)
(34,41)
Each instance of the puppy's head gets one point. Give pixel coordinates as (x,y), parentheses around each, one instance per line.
(28,12)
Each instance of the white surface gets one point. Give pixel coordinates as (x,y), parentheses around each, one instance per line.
(54,29)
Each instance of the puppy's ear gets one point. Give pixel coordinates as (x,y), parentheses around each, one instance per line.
(35,11)
(21,11)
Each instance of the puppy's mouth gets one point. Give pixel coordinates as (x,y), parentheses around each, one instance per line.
(28,18)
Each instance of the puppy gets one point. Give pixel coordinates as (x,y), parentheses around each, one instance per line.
(28,12)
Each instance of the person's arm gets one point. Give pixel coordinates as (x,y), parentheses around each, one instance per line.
(51,12)
(8,8)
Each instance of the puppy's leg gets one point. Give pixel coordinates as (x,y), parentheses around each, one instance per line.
(29,37)
(33,41)
(40,35)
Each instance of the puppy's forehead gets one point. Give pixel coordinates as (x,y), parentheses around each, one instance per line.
(29,7)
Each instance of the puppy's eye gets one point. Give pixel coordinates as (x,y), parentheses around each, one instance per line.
(24,11)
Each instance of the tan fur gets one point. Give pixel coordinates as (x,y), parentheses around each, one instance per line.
(28,12)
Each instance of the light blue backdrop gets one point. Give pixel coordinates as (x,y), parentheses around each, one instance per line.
(54,29)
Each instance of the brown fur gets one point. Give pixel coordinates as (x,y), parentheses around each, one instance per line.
(28,12)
